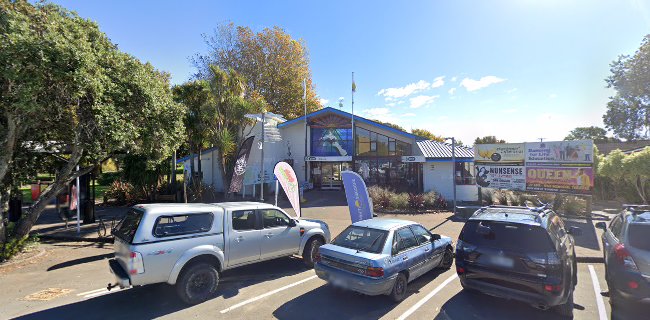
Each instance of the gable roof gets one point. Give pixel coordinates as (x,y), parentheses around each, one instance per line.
(627,146)
(435,149)
(349,116)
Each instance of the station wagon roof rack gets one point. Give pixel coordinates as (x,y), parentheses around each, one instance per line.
(537,212)
(635,207)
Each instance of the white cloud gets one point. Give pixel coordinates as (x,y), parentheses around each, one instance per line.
(410,114)
(513,90)
(552,96)
(323,102)
(392,104)
(452,91)
(381,114)
(453,79)
(376,111)
(409,89)
(438,82)
(473,85)
(421,101)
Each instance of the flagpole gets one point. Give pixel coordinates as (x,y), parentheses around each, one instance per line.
(304,97)
(353,136)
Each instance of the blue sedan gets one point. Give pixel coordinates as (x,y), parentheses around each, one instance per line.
(381,256)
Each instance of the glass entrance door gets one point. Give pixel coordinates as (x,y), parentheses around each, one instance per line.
(331,175)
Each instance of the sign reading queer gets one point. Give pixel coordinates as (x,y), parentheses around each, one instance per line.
(289,182)
(557,178)
(357,196)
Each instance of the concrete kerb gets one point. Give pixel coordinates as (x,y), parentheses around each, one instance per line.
(64,238)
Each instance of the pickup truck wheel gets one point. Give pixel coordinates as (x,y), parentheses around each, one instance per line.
(198,283)
(399,288)
(310,251)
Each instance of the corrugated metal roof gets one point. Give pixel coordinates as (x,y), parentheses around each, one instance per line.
(435,149)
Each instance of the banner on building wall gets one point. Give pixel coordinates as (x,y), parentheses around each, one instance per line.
(552,166)
(573,151)
(499,153)
(237,180)
(559,178)
(357,196)
(289,182)
(501,176)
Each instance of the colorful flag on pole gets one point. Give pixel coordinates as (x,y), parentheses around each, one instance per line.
(289,182)
(357,195)
(237,180)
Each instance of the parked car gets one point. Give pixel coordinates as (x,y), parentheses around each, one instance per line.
(189,245)
(381,256)
(519,253)
(626,249)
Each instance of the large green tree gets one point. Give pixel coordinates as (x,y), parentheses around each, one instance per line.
(597,134)
(66,89)
(272,63)
(427,134)
(628,112)
(488,140)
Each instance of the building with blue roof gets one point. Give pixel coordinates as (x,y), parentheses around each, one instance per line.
(381,154)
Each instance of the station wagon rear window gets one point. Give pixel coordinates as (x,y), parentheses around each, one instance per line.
(167,226)
(509,236)
(362,239)
(639,236)
(126,229)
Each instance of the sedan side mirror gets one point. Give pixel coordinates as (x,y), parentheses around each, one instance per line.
(292,223)
(601,225)
(435,237)
(574,231)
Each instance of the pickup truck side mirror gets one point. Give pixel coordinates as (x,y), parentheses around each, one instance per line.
(292,223)
(601,225)
(574,231)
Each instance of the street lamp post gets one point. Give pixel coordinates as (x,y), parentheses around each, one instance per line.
(453,164)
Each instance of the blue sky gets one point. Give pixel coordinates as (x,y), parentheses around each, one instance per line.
(517,69)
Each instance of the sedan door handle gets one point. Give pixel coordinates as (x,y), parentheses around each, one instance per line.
(268,235)
(427,249)
(405,258)
(239,239)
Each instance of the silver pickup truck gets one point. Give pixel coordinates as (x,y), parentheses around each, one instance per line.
(189,245)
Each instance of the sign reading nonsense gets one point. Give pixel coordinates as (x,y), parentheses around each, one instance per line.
(501,177)
(556,166)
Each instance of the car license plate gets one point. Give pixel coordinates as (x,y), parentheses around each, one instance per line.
(502,261)
(337,282)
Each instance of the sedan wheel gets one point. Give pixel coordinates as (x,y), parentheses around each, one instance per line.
(399,288)
(447,259)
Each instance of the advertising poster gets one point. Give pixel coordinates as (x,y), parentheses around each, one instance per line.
(499,153)
(574,151)
(289,182)
(559,178)
(501,177)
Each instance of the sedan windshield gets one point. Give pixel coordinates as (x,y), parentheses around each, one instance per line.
(640,236)
(362,239)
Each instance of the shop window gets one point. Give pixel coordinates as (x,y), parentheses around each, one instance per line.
(370,143)
(331,142)
(464,173)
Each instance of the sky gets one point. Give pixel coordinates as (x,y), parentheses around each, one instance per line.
(517,69)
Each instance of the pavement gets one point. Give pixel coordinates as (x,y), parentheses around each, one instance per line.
(68,281)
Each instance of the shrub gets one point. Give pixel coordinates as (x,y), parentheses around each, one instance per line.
(514,198)
(380,197)
(573,205)
(487,196)
(441,203)
(107,178)
(399,201)
(121,192)
(430,199)
(416,200)
(499,197)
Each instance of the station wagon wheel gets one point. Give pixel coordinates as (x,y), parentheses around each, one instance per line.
(399,288)
(198,283)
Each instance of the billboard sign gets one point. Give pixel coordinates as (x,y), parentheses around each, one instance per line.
(499,153)
(501,176)
(573,151)
(560,178)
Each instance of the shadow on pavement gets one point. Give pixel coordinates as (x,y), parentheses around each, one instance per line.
(80,261)
(471,305)
(326,302)
(630,311)
(589,238)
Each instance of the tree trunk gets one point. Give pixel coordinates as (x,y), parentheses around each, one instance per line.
(199,169)
(4,206)
(9,145)
(63,178)
(640,189)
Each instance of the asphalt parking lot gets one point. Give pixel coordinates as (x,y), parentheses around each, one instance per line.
(281,289)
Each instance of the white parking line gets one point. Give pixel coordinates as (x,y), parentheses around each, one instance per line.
(602,314)
(90,292)
(427,297)
(267,294)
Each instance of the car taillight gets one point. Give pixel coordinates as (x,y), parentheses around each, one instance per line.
(543,261)
(623,257)
(375,272)
(136,265)
(633,284)
(553,288)
(460,270)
